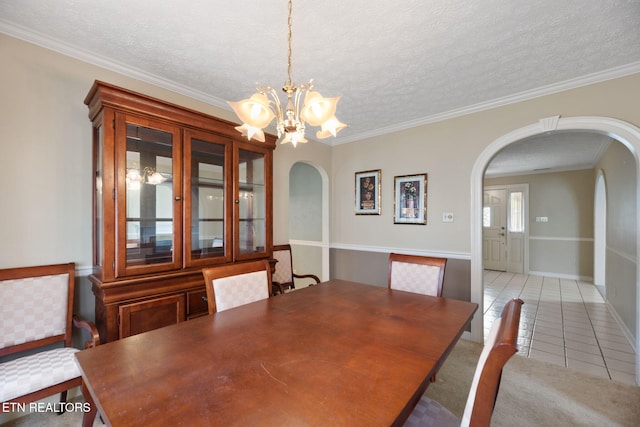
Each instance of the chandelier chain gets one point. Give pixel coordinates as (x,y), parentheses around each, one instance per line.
(289,82)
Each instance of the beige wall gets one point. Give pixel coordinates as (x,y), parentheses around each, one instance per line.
(619,170)
(564,245)
(45,166)
(314,153)
(45,133)
(447,151)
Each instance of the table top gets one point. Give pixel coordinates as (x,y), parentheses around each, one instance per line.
(339,353)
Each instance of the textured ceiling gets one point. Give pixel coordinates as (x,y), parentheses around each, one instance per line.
(559,151)
(396,64)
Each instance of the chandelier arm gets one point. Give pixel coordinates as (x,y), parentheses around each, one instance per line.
(297,104)
(278,106)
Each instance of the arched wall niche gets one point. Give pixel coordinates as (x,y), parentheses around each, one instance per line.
(320,240)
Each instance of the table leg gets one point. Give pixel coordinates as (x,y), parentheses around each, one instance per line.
(89,417)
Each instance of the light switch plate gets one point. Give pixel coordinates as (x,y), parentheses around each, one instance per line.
(447,216)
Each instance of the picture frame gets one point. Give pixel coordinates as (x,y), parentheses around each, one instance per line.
(367,192)
(410,199)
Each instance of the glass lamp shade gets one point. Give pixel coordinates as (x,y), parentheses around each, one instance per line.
(255,111)
(133,175)
(251,132)
(294,138)
(134,179)
(316,109)
(330,128)
(156,178)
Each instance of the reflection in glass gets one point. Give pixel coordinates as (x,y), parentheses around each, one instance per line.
(149,201)
(252,202)
(99,207)
(207,199)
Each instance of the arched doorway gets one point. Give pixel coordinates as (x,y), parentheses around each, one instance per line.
(627,134)
(600,233)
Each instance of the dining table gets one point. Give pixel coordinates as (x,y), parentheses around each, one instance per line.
(339,353)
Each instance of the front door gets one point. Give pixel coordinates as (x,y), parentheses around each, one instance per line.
(494,222)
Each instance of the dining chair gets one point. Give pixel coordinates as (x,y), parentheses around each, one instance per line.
(418,274)
(36,328)
(283,276)
(237,284)
(501,344)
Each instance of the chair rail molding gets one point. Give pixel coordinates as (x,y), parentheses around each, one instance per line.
(389,249)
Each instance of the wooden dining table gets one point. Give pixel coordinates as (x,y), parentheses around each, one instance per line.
(340,353)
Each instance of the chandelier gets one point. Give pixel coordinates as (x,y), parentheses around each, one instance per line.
(304,106)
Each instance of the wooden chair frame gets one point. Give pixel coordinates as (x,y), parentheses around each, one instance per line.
(505,346)
(290,284)
(481,400)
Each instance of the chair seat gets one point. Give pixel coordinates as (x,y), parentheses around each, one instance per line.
(36,372)
(429,413)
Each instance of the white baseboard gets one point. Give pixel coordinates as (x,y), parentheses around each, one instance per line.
(562,276)
(625,330)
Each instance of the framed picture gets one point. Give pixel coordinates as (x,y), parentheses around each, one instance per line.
(368,192)
(410,199)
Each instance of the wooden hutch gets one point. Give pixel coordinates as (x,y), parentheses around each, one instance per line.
(175,190)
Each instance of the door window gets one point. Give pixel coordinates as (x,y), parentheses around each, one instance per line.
(516,212)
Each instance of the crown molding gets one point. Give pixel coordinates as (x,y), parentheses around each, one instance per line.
(63,48)
(66,49)
(601,76)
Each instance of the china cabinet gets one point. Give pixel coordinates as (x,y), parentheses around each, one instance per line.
(175,190)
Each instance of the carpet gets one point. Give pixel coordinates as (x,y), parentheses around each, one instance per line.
(536,393)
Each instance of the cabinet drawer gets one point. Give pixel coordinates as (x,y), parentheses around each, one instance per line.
(151,314)
(197,304)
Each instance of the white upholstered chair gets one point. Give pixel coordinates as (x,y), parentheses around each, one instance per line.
(233,285)
(283,276)
(36,315)
(500,345)
(418,274)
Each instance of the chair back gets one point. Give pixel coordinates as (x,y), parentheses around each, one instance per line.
(284,267)
(36,306)
(418,274)
(500,345)
(233,285)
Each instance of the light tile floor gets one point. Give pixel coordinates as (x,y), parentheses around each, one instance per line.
(565,322)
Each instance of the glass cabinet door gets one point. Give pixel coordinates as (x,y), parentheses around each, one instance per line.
(208,207)
(148,237)
(251,204)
